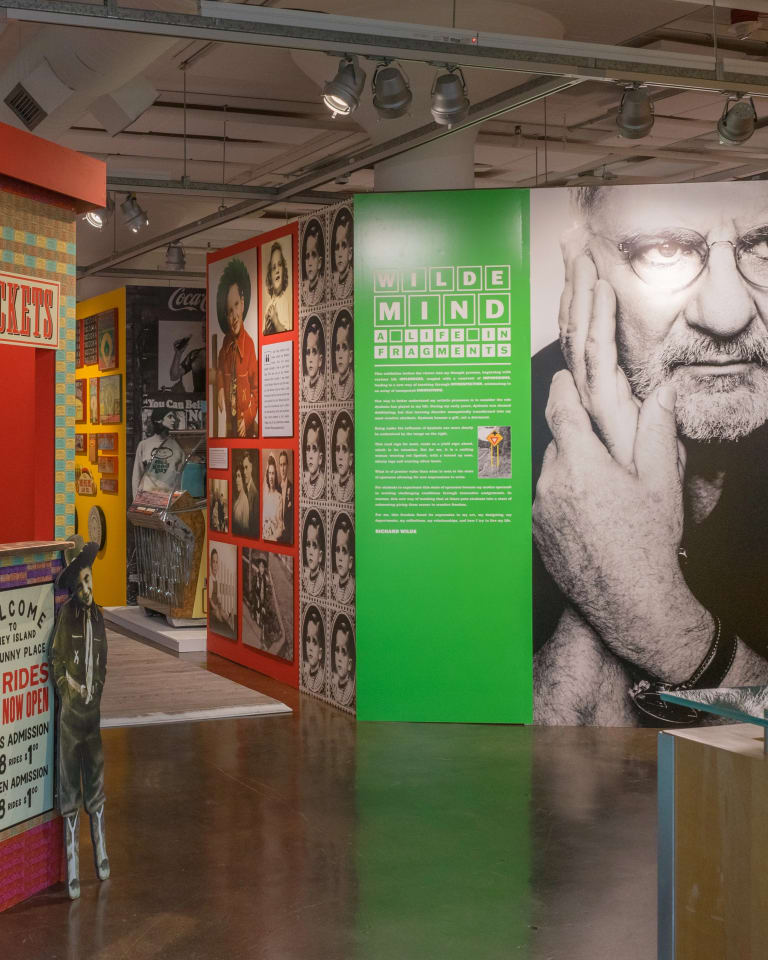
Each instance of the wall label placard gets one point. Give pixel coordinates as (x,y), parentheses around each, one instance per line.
(26,704)
(29,311)
(277,389)
(442,456)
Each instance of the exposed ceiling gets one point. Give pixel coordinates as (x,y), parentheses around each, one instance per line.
(254,121)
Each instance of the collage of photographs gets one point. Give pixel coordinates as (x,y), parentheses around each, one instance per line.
(327,468)
(251,487)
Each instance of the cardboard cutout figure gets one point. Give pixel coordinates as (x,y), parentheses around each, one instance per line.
(79,663)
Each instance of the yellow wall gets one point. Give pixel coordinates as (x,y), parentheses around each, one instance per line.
(110,567)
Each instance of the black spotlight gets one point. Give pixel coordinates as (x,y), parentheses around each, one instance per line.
(342,94)
(391,92)
(450,103)
(737,123)
(635,116)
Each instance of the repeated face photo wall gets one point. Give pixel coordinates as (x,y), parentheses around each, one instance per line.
(326,467)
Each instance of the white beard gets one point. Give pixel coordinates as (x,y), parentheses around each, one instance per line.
(715,406)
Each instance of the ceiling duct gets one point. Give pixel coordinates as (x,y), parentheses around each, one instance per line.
(60,75)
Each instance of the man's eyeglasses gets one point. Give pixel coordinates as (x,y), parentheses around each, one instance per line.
(673,259)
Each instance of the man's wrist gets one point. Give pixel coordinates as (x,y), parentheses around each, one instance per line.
(668,639)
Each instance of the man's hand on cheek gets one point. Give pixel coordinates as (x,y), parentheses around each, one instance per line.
(609,534)
(587,322)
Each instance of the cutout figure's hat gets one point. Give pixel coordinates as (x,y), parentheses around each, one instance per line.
(76,558)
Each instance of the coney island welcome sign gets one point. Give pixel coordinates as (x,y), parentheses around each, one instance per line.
(29,311)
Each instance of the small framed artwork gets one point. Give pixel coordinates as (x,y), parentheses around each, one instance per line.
(108,465)
(80,387)
(90,340)
(80,445)
(108,442)
(79,344)
(93,400)
(84,483)
(107,327)
(108,484)
(111,399)
(93,455)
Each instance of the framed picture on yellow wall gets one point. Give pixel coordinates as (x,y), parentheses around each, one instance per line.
(93,400)
(111,399)
(108,340)
(80,399)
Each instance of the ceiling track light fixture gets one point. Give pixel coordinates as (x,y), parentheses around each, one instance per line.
(391,91)
(737,124)
(635,115)
(98,218)
(342,94)
(450,103)
(134,215)
(174,257)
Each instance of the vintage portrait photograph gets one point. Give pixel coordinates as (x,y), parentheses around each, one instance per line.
(342,356)
(233,337)
(277,495)
(81,444)
(222,588)
(494,453)
(313,266)
(277,286)
(650,414)
(245,493)
(342,661)
(313,571)
(342,266)
(218,505)
(343,458)
(343,559)
(313,457)
(180,356)
(268,602)
(313,365)
(111,398)
(312,650)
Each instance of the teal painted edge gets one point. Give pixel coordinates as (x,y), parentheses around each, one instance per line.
(666,846)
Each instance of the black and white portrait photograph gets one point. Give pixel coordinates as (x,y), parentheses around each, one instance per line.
(342,356)
(650,426)
(313,481)
(494,452)
(233,337)
(218,505)
(342,661)
(313,554)
(313,266)
(277,495)
(245,493)
(268,602)
(313,364)
(277,286)
(343,458)
(343,559)
(342,266)
(181,356)
(312,650)
(222,588)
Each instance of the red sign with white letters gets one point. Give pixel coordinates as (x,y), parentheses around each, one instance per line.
(29,311)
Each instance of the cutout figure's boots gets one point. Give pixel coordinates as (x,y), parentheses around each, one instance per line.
(71,846)
(99,840)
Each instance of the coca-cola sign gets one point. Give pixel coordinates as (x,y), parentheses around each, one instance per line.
(184,298)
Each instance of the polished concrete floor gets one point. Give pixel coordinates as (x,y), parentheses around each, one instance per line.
(312,837)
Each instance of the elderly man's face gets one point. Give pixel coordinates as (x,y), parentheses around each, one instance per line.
(709,336)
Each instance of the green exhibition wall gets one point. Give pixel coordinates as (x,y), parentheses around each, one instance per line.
(442,366)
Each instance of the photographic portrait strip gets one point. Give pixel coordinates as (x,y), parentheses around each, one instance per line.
(313,262)
(245,493)
(314,667)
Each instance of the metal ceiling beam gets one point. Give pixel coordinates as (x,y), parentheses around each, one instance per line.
(295,29)
(147,274)
(528,92)
(193,188)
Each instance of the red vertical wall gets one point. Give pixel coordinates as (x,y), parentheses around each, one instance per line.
(27,428)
